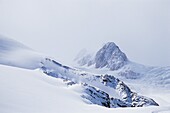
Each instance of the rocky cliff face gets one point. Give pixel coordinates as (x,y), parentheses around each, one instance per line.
(102,98)
(109,56)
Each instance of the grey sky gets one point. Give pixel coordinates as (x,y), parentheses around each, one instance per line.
(61,28)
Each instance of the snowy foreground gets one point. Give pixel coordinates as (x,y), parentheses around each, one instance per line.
(26,87)
(30,91)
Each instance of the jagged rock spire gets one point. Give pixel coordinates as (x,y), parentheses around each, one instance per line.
(109,56)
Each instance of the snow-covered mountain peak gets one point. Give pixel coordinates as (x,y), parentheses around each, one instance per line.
(111,60)
(109,56)
(110,45)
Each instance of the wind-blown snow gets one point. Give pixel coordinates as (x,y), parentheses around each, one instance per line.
(13,53)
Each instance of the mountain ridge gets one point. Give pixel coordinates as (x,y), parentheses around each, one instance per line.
(106,87)
(119,65)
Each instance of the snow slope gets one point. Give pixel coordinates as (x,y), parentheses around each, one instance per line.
(104,90)
(13,53)
(30,91)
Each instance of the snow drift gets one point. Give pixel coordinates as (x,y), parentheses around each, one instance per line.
(13,53)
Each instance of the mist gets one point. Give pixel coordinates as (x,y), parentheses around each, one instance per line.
(61,28)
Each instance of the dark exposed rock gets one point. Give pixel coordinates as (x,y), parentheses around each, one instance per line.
(101,98)
(95,94)
(109,56)
(140,101)
(130,98)
(114,103)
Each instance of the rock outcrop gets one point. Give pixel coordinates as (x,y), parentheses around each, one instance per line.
(94,86)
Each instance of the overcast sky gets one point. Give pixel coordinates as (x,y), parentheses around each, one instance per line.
(61,28)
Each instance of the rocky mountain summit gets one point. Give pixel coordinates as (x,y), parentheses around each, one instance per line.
(109,56)
(110,59)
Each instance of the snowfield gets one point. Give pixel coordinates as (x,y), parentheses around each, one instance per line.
(24,88)
(30,91)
